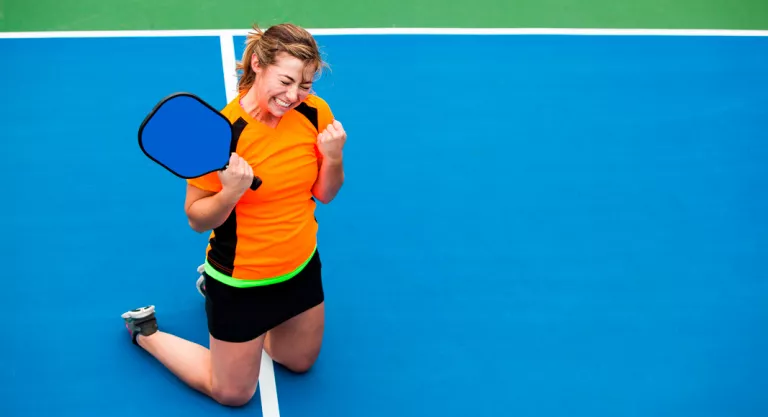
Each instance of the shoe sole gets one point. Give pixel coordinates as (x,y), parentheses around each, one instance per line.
(139,313)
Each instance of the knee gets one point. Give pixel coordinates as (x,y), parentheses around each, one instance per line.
(301,364)
(232,396)
(295,362)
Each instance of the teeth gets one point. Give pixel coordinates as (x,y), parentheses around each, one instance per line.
(282,103)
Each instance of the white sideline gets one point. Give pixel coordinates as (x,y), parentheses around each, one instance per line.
(228,66)
(390,31)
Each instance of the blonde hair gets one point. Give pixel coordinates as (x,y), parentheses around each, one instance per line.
(266,45)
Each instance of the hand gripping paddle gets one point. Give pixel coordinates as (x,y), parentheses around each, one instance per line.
(188,137)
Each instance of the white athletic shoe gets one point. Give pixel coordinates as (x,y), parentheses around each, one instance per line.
(140,321)
(200,284)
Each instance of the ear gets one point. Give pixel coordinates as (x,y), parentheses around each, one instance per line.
(255,63)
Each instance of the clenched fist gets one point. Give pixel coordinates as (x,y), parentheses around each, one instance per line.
(237,177)
(331,141)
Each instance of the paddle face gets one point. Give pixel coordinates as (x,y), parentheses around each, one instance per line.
(186,136)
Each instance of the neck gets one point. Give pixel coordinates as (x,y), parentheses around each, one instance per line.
(250,104)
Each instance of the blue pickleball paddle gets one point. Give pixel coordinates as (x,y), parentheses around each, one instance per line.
(188,137)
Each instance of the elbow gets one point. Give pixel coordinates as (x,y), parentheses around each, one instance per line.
(317,195)
(325,192)
(196,226)
(325,196)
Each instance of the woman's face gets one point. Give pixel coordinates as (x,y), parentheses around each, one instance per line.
(283,85)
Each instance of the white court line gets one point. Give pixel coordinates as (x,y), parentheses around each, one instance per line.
(391,31)
(268,387)
(267,383)
(228,66)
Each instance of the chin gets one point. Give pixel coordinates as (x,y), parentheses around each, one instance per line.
(280,111)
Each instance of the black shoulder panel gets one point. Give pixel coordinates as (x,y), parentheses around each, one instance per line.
(310,113)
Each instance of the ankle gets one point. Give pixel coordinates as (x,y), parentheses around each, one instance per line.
(144,340)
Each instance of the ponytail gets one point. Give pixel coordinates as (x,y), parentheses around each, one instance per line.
(244,67)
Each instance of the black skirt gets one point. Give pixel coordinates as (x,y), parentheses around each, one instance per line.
(243,314)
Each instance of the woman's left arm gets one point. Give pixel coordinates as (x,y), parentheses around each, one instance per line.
(330,177)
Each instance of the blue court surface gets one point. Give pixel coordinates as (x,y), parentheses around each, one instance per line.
(531,226)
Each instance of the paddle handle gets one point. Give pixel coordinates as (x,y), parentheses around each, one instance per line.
(256,183)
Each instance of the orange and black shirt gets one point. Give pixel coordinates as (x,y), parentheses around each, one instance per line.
(272,232)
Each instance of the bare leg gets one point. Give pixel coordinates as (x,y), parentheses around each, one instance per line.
(189,361)
(235,369)
(296,343)
(228,372)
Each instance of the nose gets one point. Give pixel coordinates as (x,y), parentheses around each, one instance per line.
(293,93)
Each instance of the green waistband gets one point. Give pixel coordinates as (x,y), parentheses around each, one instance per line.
(247,283)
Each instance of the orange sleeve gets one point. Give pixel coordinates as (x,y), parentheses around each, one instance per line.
(209,182)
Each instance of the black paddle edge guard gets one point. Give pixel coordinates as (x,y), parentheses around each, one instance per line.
(256,180)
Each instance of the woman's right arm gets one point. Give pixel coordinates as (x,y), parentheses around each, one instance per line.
(207,210)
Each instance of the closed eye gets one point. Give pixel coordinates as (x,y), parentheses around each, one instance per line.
(303,87)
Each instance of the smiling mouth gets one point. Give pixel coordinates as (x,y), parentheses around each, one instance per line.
(282,103)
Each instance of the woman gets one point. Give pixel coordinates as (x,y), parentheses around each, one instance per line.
(262,274)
